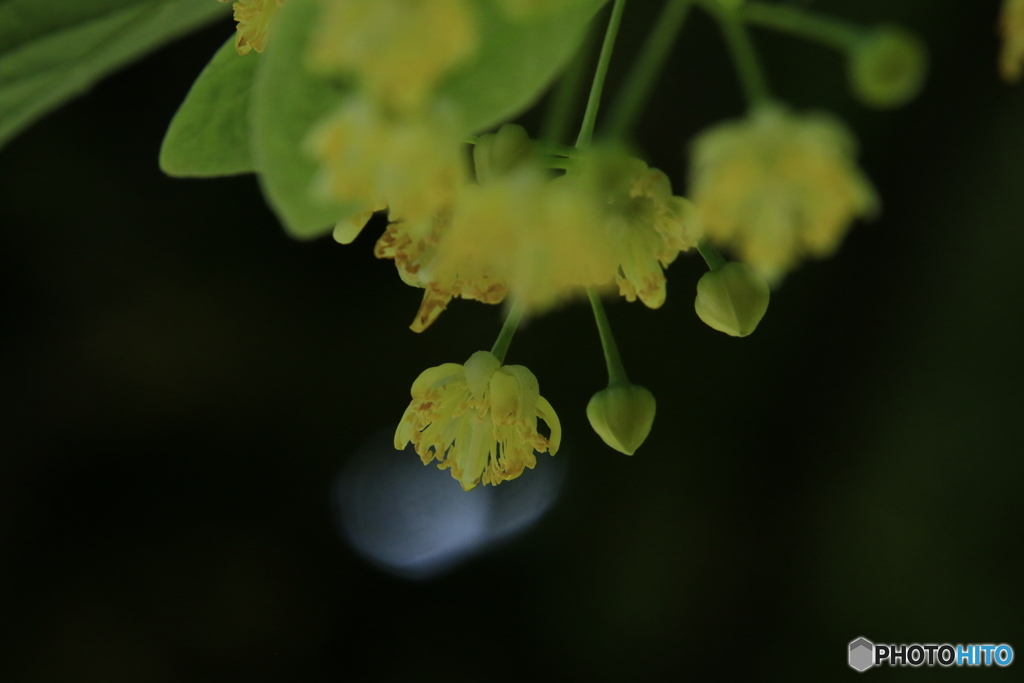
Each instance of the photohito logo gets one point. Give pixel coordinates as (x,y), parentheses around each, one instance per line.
(864,654)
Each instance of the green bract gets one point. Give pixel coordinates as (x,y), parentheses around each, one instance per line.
(209,136)
(516,62)
(287,101)
(52,50)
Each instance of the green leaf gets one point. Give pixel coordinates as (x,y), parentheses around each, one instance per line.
(209,136)
(287,101)
(516,63)
(52,50)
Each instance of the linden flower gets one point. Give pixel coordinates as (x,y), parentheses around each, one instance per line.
(652,226)
(253,17)
(777,187)
(479,420)
(412,165)
(413,246)
(397,48)
(1011,24)
(545,239)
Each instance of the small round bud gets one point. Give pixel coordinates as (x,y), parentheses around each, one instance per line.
(887,68)
(732,299)
(495,154)
(622,416)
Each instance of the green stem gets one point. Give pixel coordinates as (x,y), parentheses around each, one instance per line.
(550,148)
(556,150)
(712,257)
(822,29)
(616,372)
(647,68)
(508,330)
(558,116)
(594,101)
(755,86)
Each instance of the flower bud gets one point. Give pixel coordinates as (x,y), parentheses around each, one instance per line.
(887,68)
(622,416)
(495,154)
(732,299)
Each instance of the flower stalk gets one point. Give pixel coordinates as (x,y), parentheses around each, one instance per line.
(752,78)
(712,257)
(616,371)
(508,330)
(799,22)
(647,68)
(586,135)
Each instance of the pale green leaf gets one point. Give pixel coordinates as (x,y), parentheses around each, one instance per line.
(516,63)
(52,50)
(209,136)
(287,100)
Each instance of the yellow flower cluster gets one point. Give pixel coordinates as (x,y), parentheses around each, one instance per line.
(374,159)
(534,234)
(777,187)
(516,232)
(415,248)
(1011,25)
(253,17)
(394,145)
(479,420)
(540,240)
(396,49)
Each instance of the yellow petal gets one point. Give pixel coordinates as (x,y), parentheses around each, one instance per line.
(547,413)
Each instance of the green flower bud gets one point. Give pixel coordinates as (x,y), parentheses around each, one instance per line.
(732,299)
(622,416)
(887,68)
(495,154)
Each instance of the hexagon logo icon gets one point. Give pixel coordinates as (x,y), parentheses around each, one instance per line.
(862,654)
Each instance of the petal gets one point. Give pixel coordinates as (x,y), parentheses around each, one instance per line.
(439,376)
(479,368)
(529,388)
(547,413)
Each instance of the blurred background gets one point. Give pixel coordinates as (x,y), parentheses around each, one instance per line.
(196,477)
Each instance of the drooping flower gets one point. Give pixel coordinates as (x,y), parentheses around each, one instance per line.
(253,17)
(777,187)
(371,159)
(649,224)
(479,420)
(398,49)
(1011,25)
(543,238)
(413,247)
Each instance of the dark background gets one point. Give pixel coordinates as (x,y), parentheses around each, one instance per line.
(182,384)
